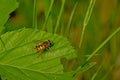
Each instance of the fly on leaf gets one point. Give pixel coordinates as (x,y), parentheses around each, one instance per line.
(42,46)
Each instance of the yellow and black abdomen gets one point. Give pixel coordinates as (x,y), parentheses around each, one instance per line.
(40,48)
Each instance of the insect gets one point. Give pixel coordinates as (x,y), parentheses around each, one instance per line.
(41,47)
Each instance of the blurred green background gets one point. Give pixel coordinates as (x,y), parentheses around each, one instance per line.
(104,20)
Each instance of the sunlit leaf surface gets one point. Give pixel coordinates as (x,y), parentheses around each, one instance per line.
(19,60)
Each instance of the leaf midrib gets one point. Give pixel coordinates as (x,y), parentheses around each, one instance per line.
(21,68)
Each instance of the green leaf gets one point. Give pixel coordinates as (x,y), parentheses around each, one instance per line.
(6,7)
(2,30)
(19,60)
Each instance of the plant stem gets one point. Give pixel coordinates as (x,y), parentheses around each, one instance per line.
(86,20)
(35,15)
(46,19)
(59,16)
(104,42)
(70,19)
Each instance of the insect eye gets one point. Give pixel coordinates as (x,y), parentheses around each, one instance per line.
(52,44)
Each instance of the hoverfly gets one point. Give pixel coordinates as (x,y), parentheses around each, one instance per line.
(41,47)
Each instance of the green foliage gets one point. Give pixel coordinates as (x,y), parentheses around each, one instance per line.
(103,43)
(19,60)
(48,19)
(70,20)
(86,20)
(59,16)
(6,7)
(35,15)
(25,10)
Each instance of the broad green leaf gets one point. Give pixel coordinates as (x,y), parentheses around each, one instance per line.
(19,60)
(6,7)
